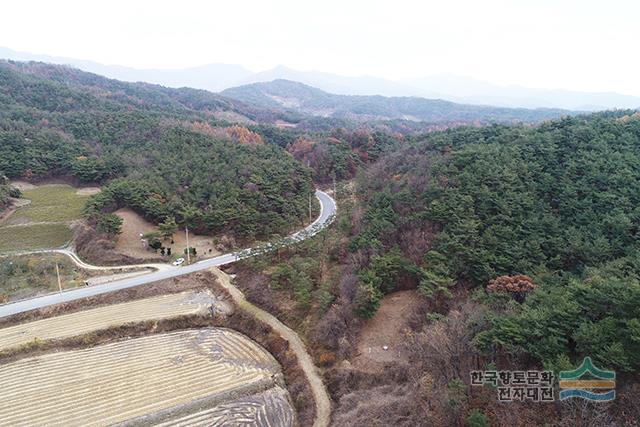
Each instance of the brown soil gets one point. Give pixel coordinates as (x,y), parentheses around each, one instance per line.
(133,225)
(388,327)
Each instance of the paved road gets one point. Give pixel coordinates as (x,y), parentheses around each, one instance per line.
(327,213)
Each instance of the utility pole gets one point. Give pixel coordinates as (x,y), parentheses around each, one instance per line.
(186,229)
(335,192)
(310,218)
(58,274)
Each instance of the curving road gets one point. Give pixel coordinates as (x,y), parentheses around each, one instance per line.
(327,213)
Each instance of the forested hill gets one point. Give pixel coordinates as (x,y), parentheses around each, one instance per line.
(72,89)
(559,203)
(160,151)
(298,97)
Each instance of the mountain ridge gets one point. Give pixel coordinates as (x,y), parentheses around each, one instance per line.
(312,101)
(218,77)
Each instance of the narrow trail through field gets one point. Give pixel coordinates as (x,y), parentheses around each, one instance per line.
(77,261)
(320,394)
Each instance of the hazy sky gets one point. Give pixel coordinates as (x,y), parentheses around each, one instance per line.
(573,44)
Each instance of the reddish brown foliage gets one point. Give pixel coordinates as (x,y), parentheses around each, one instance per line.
(243,135)
(518,285)
(235,133)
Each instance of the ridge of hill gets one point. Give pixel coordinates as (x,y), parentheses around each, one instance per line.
(293,96)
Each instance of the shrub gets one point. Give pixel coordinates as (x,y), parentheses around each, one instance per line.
(477,419)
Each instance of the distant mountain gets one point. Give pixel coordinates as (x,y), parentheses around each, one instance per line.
(473,91)
(211,77)
(216,77)
(290,95)
(342,85)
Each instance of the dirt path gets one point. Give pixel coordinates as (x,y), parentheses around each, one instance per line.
(320,395)
(29,224)
(77,261)
(13,206)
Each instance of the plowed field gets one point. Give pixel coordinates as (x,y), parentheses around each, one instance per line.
(211,373)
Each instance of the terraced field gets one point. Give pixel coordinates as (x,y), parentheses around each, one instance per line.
(69,325)
(145,380)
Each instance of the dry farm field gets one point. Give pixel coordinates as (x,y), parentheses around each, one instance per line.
(143,381)
(95,319)
(270,408)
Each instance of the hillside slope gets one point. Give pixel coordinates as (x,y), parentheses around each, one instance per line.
(557,202)
(309,100)
(172,158)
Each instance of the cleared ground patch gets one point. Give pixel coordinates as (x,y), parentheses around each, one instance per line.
(159,377)
(387,327)
(79,323)
(133,225)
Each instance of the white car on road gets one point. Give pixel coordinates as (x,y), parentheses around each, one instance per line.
(178,262)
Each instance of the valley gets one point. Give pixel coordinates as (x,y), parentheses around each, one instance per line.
(351,259)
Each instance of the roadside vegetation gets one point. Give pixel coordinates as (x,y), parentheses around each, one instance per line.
(29,275)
